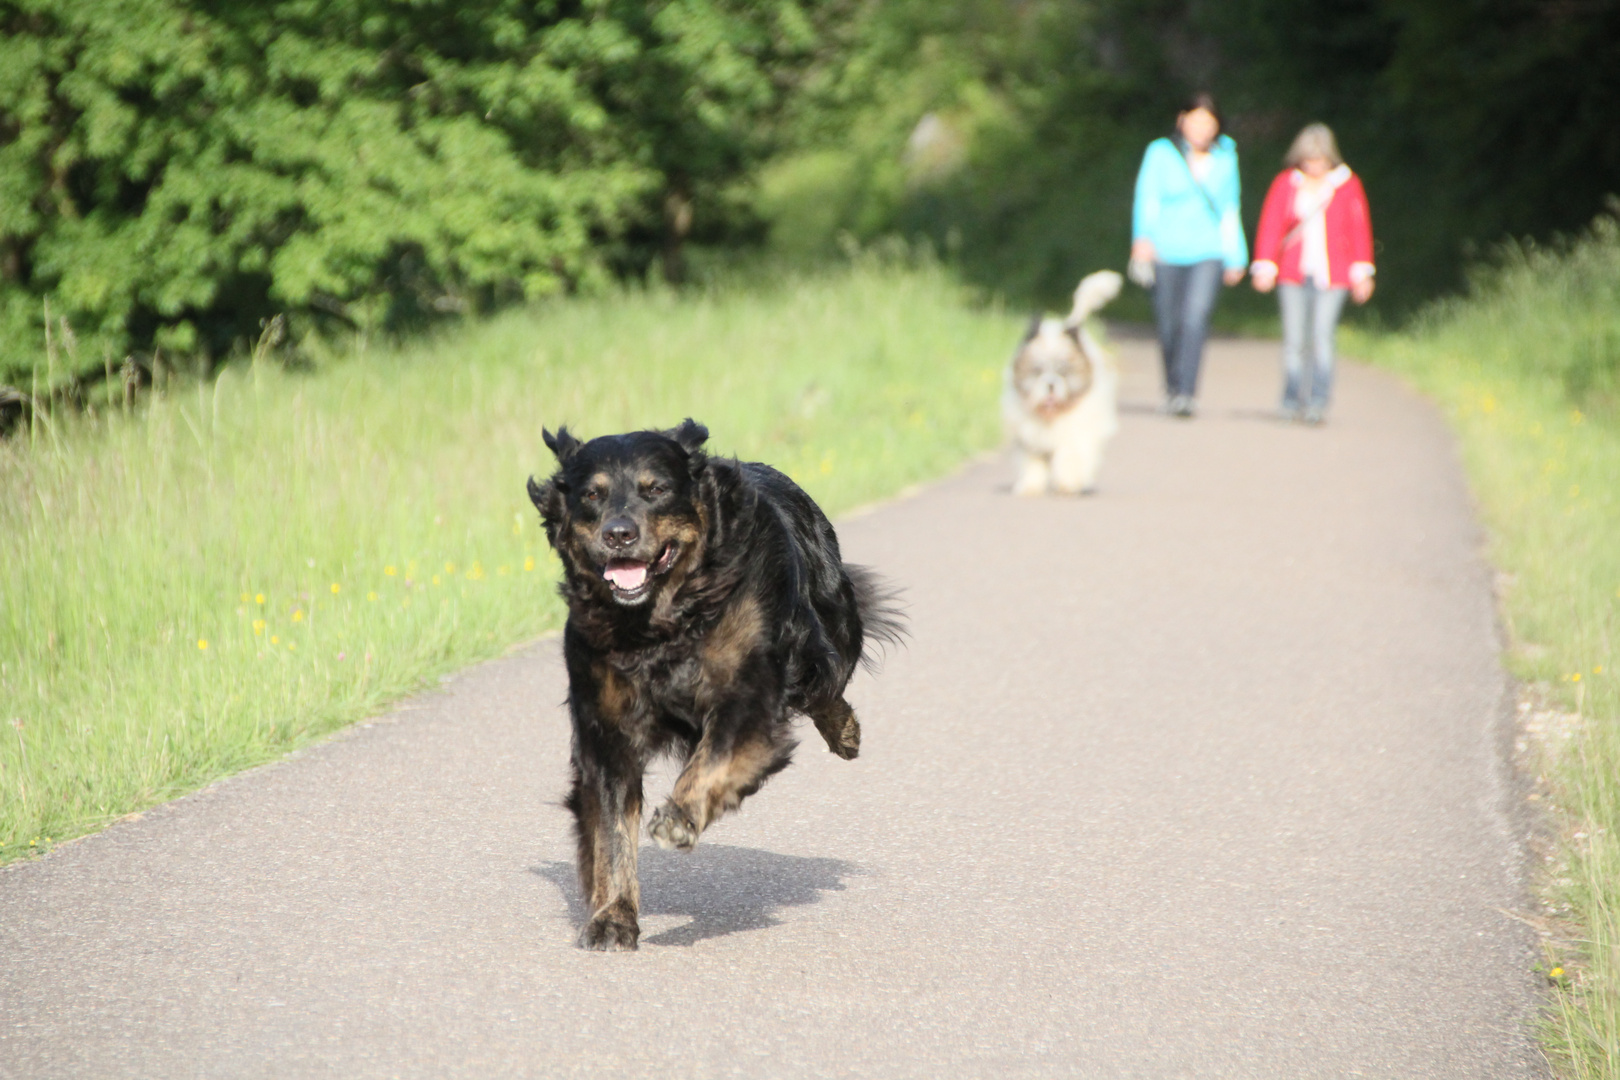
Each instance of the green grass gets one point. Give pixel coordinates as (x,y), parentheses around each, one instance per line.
(1526,369)
(243,566)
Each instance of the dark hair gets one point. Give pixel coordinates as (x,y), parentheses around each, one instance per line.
(1203,99)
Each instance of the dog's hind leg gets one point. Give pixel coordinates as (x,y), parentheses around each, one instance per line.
(837,724)
(716,781)
(607,817)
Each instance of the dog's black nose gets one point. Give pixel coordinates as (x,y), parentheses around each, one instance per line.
(620,533)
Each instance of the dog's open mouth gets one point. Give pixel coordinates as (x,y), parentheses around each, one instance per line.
(1050,404)
(630,579)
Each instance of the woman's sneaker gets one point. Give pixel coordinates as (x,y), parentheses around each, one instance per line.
(1315,415)
(1287,413)
(1182,405)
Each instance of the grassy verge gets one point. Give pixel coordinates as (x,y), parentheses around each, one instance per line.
(1527,370)
(243,566)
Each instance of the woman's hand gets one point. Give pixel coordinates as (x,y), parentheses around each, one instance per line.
(1362,291)
(1142,251)
(1263,280)
(1233,275)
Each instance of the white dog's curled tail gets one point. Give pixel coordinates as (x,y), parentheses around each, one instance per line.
(1095,291)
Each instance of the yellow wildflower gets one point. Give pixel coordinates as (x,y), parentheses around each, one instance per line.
(298,615)
(371,596)
(258,626)
(390,571)
(336,588)
(202,643)
(259,599)
(528,564)
(274,640)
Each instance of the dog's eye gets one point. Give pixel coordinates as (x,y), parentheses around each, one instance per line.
(656,490)
(593,495)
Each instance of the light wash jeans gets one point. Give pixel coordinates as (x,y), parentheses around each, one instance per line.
(1183,301)
(1308,313)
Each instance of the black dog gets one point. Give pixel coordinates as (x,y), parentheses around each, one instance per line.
(707,604)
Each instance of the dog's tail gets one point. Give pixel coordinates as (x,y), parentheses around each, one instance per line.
(1094,292)
(883,620)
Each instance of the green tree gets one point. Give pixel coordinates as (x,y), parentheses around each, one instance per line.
(174,171)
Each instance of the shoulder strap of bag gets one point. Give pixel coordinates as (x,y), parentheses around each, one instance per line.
(1186,159)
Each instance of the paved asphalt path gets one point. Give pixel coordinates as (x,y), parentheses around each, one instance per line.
(1200,777)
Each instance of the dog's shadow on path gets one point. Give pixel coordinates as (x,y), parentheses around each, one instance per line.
(721,890)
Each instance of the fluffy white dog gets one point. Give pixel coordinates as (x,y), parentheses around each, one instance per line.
(1060,400)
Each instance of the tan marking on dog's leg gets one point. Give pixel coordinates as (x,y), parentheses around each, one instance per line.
(838,726)
(712,785)
(587,810)
(614,887)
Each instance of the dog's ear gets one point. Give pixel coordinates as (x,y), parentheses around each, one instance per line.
(562,444)
(690,435)
(548,497)
(1073,331)
(1033,328)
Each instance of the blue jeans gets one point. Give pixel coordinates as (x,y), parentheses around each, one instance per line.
(1183,300)
(1308,313)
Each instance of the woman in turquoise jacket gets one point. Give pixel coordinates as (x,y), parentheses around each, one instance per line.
(1186,238)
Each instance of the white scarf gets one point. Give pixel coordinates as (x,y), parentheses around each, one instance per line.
(1310,207)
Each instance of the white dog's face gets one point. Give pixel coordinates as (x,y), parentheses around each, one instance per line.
(1051,372)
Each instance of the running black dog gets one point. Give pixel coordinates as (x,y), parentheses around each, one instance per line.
(707,604)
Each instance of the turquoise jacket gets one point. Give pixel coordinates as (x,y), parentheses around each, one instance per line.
(1189,222)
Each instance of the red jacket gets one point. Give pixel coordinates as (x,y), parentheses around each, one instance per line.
(1348,224)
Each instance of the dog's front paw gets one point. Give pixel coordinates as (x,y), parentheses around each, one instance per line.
(612,930)
(672,828)
(841,730)
(1030,487)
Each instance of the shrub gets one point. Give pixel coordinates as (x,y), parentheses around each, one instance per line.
(172,172)
(1544,311)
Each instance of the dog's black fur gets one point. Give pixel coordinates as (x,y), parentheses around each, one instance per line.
(707,604)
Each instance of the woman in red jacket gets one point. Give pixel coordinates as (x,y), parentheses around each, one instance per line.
(1315,247)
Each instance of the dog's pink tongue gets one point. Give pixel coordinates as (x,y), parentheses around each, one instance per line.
(626,574)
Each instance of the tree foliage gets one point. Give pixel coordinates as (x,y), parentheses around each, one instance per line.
(173,171)
(1469,120)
